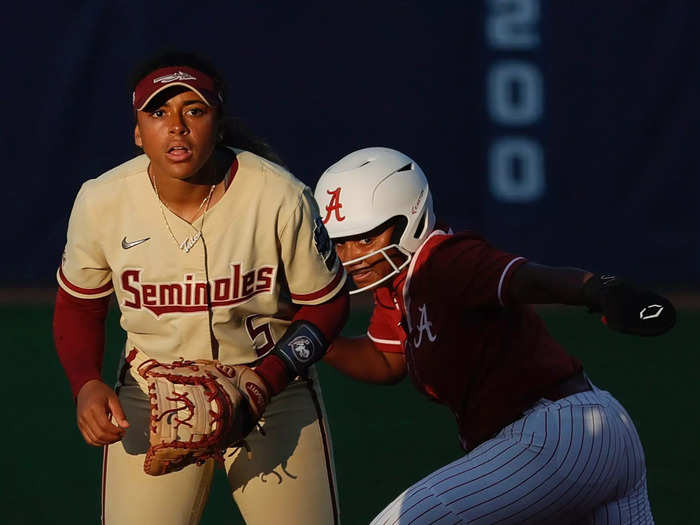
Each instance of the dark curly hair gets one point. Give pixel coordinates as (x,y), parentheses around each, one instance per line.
(235,132)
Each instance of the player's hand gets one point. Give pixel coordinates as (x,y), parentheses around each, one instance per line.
(628,309)
(97,404)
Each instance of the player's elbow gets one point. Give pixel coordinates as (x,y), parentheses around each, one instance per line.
(394,369)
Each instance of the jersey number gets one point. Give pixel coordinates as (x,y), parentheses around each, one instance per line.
(267,342)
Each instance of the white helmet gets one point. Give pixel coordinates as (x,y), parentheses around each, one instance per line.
(369,187)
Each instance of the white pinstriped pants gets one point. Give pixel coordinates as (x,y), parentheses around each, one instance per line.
(575,460)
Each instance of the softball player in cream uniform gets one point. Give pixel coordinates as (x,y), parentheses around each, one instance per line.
(222,284)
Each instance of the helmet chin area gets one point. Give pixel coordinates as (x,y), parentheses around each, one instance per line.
(395,269)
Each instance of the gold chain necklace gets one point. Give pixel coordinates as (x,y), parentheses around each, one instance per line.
(189,241)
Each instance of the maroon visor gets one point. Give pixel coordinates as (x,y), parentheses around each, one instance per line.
(166,77)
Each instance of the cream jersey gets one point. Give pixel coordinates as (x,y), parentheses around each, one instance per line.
(263,251)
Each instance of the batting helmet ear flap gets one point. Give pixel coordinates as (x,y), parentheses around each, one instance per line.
(399,222)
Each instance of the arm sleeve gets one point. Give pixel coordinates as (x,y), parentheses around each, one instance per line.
(329,317)
(466,269)
(84,272)
(79,335)
(313,271)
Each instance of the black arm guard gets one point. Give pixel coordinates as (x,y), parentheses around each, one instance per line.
(301,346)
(627,309)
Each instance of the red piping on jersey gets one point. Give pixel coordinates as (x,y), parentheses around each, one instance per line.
(317,295)
(84,291)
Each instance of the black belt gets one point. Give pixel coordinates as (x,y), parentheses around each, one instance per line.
(569,386)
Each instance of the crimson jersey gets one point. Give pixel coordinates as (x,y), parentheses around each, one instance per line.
(465,345)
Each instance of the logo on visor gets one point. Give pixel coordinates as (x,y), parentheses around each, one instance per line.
(172,77)
(334,206)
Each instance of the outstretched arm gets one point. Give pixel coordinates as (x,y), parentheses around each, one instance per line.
(625,308)
(358,358)
(538,284)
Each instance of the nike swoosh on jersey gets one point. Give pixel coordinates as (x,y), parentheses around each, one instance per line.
(130,244)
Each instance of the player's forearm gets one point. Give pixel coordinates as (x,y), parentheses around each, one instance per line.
(358,358)
(329,317)
(537,284)
(316,324)
(79,335)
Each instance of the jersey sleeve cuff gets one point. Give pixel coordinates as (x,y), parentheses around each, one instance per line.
(324,294)
(82,293)
(391,346)
(504,281)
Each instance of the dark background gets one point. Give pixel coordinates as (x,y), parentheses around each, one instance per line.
(616,117)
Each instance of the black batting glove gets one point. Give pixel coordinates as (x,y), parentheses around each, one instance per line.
(628,309)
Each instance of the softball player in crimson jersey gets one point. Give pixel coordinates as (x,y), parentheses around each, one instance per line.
(543,444)
(212,252)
